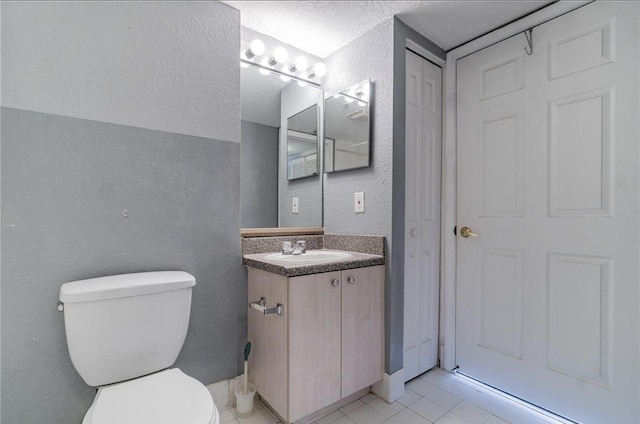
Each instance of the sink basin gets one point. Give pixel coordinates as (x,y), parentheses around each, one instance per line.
(310,256)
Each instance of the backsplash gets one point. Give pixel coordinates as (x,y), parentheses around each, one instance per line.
(373,245)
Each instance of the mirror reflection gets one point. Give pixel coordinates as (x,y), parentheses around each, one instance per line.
(347,129)
(271,106)
(302,144)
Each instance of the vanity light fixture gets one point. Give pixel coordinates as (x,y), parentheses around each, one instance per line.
(277,62)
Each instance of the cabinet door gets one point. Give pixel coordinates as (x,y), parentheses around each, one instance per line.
(362,327)
(268,362)
(314,343)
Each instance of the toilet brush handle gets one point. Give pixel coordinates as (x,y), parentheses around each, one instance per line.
(246,377)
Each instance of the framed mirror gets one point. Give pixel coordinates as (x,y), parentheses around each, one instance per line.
(271,106)
(347,139)
(302,144)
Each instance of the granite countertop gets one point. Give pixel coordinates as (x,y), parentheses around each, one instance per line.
(356,260)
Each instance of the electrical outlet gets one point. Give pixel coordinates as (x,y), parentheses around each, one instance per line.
(294,205)
(359,202)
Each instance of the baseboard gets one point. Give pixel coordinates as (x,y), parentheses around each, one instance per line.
(391,387)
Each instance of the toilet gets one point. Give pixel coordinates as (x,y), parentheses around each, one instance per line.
(123,334)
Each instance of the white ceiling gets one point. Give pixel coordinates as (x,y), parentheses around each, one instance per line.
(322,27)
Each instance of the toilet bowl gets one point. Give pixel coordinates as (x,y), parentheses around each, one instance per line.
(123,334)
(166,397)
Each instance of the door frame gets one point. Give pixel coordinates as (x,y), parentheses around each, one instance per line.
(448,264)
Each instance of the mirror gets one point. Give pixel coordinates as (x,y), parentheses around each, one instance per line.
(302,144)
(347,129)
(270,107)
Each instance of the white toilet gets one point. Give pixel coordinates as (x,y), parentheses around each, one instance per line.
(123,332)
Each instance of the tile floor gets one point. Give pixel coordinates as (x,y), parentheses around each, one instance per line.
(435,397)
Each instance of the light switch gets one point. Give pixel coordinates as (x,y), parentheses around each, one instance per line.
(294,205)
(359,202)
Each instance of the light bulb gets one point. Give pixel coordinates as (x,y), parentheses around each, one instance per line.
(320,69)
(280,54)
(301,63)
(257,47)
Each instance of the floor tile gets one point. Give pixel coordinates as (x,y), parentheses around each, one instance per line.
(495,420)
(261,416)
(366,415)
(442,398)
(457,389)
(407,416)
(368,397)
(352,406)
(386,409)
(470,412)
(421,387)
(436,377)
(489,403)
(451,418)
(427,409)
(227,416)
(327,419)
(409,397)
(515,415)
(344,420)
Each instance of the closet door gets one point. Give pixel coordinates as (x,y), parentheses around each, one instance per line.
(547,293)
(422,215)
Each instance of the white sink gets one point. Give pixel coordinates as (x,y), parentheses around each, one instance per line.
(310,256)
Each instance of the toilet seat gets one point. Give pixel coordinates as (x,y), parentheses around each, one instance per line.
(166,397)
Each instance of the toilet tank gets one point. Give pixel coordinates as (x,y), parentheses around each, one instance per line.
(125,326)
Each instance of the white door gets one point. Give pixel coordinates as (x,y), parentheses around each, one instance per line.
(547,294)
(422,215)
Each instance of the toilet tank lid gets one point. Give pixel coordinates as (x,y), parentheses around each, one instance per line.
(125,285)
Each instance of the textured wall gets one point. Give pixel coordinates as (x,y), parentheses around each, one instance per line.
(377,55)
(308,190)
(370,56)
(112,62)
(259,176)
(168,71)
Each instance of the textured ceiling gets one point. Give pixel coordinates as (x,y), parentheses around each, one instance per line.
(322,27)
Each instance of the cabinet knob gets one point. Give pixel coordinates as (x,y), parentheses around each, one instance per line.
(335,283)
(351,280)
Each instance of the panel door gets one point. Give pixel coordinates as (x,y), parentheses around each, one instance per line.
(547,294)
(422,215)
(314,343)
(362,327)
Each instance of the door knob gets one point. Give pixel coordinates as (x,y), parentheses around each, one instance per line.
(414,233)
(335,283)
(466,232)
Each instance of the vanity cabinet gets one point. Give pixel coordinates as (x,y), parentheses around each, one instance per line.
(327,345)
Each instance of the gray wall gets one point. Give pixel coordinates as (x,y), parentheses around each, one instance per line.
(110,107)
(376,55)
(259,176)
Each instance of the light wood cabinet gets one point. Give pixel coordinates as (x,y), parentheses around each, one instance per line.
(327,345)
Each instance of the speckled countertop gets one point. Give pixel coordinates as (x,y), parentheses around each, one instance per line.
(355,260)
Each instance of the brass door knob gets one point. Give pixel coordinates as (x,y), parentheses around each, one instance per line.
(466,232)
